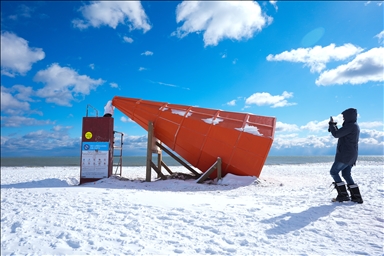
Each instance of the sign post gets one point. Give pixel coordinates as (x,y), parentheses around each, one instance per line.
(96,149)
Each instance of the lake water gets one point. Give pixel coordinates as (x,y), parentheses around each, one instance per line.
(141,160)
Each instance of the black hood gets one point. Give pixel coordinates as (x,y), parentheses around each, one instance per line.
(350,115)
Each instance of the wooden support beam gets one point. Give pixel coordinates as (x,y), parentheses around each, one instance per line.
(158,171)
(177,159)
(159,160)
(166,167)
(218,168)
(216,165)
(149,152)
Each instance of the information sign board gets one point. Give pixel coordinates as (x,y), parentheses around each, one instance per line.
(94,160)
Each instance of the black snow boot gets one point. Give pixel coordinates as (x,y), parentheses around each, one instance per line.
(342,194)
(355,194)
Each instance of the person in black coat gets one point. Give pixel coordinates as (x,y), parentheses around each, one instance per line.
(346,155)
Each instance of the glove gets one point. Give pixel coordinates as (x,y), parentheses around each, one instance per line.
(331,122)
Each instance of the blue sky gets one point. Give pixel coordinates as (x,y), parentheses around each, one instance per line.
(300,62)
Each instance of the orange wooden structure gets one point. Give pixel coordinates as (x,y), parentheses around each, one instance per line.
(201,135)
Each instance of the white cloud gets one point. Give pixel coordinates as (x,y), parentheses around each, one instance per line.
(371,141)
(22,11)
(380,36)
(92,66)
(147,53)
(58,128)
(315,126)
(170,85)
(14,100)
(18,121)
(219,20)
(63,84)
(369,125)
(266,99)
(24,93)
(134,142)
(114,85)
(366,67)
(274,3)
(283,127)
(231,103)
(113,13)
(142,69)
(322,126)
(127,39)
(11,105)
(16,56)
(379,3)
(3,141)
(125,119)
(317,57)
(378,136)
(308,142)
(54,139)
(288,136)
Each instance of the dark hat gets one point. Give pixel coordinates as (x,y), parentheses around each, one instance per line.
(350,114)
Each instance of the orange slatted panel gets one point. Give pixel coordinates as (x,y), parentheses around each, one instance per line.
(200,135)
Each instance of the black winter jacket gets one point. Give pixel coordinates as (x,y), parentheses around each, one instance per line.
(348,135)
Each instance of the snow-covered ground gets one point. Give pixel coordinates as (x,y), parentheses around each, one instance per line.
(288,211)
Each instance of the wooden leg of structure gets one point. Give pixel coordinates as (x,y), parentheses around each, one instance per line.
(159,160)
(159,173)
(160,163)
(215,166)
(177,159)
(149,152)
(218,168)
(150,164)
(166,167)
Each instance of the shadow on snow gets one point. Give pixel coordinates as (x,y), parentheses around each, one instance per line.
(289,221)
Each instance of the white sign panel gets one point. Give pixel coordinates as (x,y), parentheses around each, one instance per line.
(94,160)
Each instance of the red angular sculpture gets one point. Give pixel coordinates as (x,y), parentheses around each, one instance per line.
(201,135)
